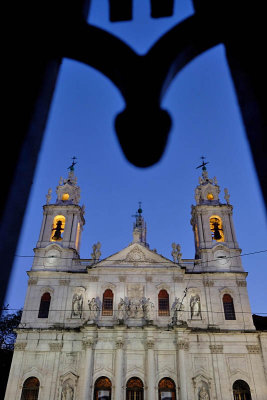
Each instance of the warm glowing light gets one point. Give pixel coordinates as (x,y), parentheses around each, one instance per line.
(78,235)
(216,228)
(210,196)
(196,236)
(65,196)
(58,228)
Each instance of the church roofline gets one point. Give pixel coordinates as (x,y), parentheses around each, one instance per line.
(143,248)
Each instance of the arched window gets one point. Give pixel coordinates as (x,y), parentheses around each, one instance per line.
(167,389)
(228,306)
(44,305)
(241,390)
(107,304)
(163,303)
(216,228)
(58,228)
(134,389)
(102,389)
(30,389)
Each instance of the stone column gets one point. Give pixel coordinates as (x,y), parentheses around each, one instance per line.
(42,230)
(47,232)
(206,227)
(182,347)
(119,369)
(200,231)
(88,345)
(233,231)
(68,227)
(150,370)
(74,230)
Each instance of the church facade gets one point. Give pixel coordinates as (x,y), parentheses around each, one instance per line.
(136,325)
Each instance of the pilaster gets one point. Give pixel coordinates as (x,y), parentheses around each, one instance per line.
(119,345)
(88,346)
(182,350)
(150,369)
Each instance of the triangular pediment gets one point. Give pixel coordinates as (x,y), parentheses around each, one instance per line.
(136,255)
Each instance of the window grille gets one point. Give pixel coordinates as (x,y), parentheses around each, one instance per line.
(134,389)
(107,305)
(163,302)
(228,305)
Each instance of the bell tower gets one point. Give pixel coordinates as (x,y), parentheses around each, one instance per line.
(62,225)
(215,240)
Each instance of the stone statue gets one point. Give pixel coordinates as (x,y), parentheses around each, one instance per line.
(67,392)
(176,253)
(227,196)
(139,309)
(203,394)
(77,305)
(94,309)
(96,254)
(48,196)
(121,309)
(177,311)
(195,307)
(148,309)
(131,309)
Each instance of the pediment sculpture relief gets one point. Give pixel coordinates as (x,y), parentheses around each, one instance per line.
(135,308)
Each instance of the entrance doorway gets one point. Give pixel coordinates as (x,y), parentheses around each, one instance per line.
(134,389)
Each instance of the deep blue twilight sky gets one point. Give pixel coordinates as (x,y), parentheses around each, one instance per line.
(206,121)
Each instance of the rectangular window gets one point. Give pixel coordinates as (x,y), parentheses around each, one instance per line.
(229,311)
(107,307)
(164,307)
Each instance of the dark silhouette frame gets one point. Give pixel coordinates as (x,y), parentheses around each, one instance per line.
(46,32)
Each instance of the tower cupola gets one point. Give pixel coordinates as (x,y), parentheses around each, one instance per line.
(207,192)
(139,228)
(67,191)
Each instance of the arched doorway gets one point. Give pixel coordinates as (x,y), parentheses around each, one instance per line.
(241,390)
(102,389)
(167,389)
(30,389)
(134,389)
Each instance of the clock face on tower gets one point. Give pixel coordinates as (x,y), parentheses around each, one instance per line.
(51,257)
(222,258)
